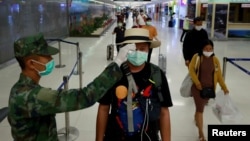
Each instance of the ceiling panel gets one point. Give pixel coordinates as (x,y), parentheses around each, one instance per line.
(130,3)
(136,3)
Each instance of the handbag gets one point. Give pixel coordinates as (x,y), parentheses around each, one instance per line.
(186,85)
(207,92)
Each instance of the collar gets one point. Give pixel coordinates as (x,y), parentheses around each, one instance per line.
(25,79)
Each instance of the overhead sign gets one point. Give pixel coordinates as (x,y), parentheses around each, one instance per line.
(132,0)
(205,5)
(239,1)
(228,1)
(246,5)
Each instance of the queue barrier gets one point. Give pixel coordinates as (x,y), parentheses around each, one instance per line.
(60,65)
(69,133)
(232,61)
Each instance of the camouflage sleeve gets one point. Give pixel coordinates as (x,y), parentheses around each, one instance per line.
(52,101)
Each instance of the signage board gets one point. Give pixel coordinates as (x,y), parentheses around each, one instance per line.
(229,1)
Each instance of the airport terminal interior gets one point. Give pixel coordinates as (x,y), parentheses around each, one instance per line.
(94,52)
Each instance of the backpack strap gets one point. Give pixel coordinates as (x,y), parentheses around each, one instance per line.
(131,88)
(156,76)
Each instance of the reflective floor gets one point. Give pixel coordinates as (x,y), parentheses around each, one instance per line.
(94,61)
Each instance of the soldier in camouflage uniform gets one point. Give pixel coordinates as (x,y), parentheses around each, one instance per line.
(32,108)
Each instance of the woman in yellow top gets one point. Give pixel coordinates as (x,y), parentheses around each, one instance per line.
(207,73)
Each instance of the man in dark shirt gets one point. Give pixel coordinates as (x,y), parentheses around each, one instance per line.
(119,31)
(192,40)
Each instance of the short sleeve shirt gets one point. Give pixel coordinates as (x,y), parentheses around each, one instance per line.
(119,34)
(141,79)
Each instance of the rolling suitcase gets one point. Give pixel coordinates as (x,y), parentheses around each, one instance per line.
(170,23)
(162,61)
(110,51)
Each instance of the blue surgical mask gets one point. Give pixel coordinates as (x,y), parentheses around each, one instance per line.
(137,58)
(48,67)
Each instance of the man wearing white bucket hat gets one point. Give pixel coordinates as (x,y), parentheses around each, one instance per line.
(139,103)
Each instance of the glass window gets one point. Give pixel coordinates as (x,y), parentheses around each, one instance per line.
(239,13)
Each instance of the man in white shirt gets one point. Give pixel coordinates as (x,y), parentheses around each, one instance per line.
(141,18)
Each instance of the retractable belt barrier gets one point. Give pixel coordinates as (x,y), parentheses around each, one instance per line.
(69,133)
(231,60)
(76,72)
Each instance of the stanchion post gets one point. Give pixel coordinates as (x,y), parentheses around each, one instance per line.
(65,80)
(68,133)
(224,68)
(60,56)
(80,69)
(77,55)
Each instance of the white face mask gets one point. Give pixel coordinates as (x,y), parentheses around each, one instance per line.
(120,24)
(207,54)
(149,23)
(198,28)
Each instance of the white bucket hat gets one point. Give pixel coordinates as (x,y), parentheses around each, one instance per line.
(139,35)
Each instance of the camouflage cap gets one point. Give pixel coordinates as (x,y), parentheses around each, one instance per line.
(33,45)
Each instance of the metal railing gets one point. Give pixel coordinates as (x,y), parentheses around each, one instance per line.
(69,133)
(60,65)
(231,60)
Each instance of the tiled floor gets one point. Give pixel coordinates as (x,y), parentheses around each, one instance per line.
(94,61)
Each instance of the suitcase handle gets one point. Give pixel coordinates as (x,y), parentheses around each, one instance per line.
(112,39)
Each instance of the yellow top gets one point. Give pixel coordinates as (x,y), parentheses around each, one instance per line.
(218,78)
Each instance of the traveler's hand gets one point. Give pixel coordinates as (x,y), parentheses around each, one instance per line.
(122,55)
(187,63)
(198,86)
(226,92)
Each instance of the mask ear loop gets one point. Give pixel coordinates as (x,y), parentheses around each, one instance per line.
(40,64)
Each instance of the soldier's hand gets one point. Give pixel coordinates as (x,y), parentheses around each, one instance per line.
(122,55)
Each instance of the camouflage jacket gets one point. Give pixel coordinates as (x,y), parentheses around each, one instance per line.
(32,108)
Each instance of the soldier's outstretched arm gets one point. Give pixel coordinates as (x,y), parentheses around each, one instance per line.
(53,101)
(47,101)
